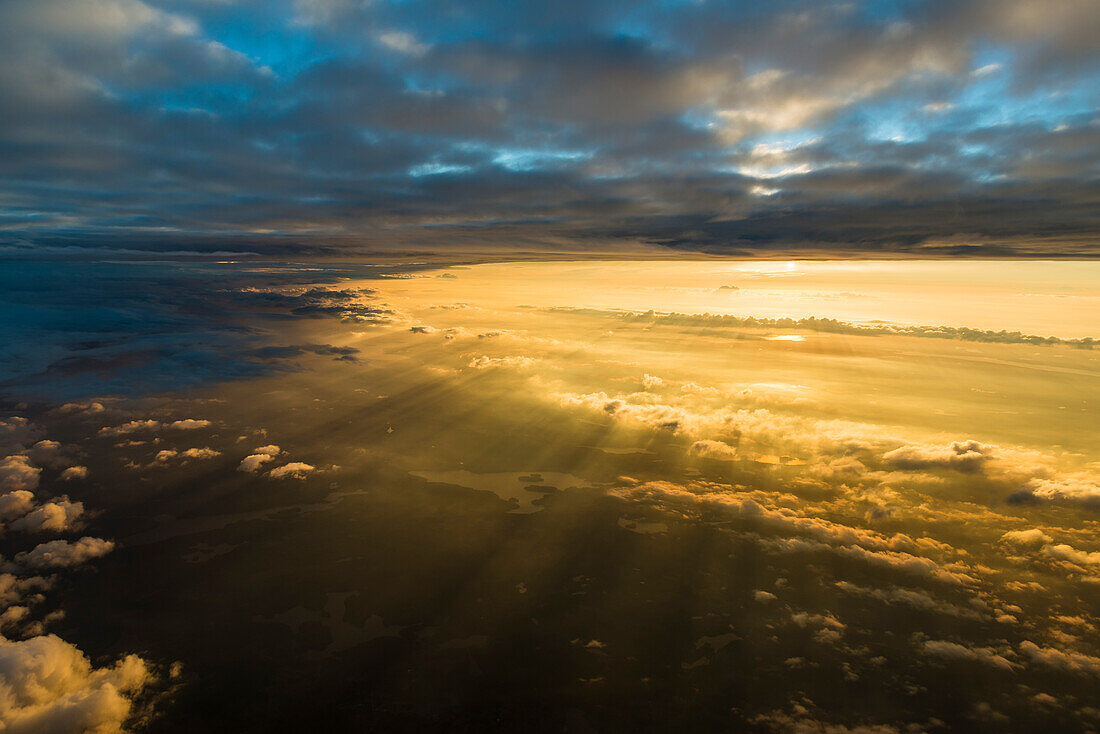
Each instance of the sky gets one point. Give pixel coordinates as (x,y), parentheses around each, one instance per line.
(576,365)
(346,127)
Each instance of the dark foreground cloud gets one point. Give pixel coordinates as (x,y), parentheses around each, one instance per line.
(322,126)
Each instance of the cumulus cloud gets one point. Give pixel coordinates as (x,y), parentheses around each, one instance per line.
(27,589)
(193,453)
(908,563)
(126,429)
(1042,546)
(952,651)
(17,472)
(188,424)
(89,407)
(963,456)
(60,554)
(1032,537)
(744,504)
(153,426)
(48,685)
(1071,662)
(1069,553)
(73,473)
(515,362)
(293,470)
(1080,488)
(781,431)
(915,598)
(15,504)
(252,463)
(261,456)
(806,534)
(56,516)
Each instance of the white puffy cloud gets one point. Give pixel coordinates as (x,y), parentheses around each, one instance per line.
(515,362)
(27,589)
(1031,537)
(15,504)
(189,424)
(1073,662)
(783,433)
(203,453)
(252,463)
(90,407)
(56,516)
(964,456)
(1043,545)
(48,686)
(17,472)
(897,552)
(153,426)
(743,504)
(946,650)
(828,621)
(908,563)
(1064,552)
(60,554)
(1083,488)
(126,429)
(193,453)
(915,598)
(828,629)
(293,470)
(74,472)
(262,455)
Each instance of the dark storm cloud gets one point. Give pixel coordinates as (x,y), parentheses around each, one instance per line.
(320,126)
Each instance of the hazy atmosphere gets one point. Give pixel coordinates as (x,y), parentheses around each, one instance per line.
(378,366)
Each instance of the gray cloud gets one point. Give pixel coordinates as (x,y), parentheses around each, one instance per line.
(721,127)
